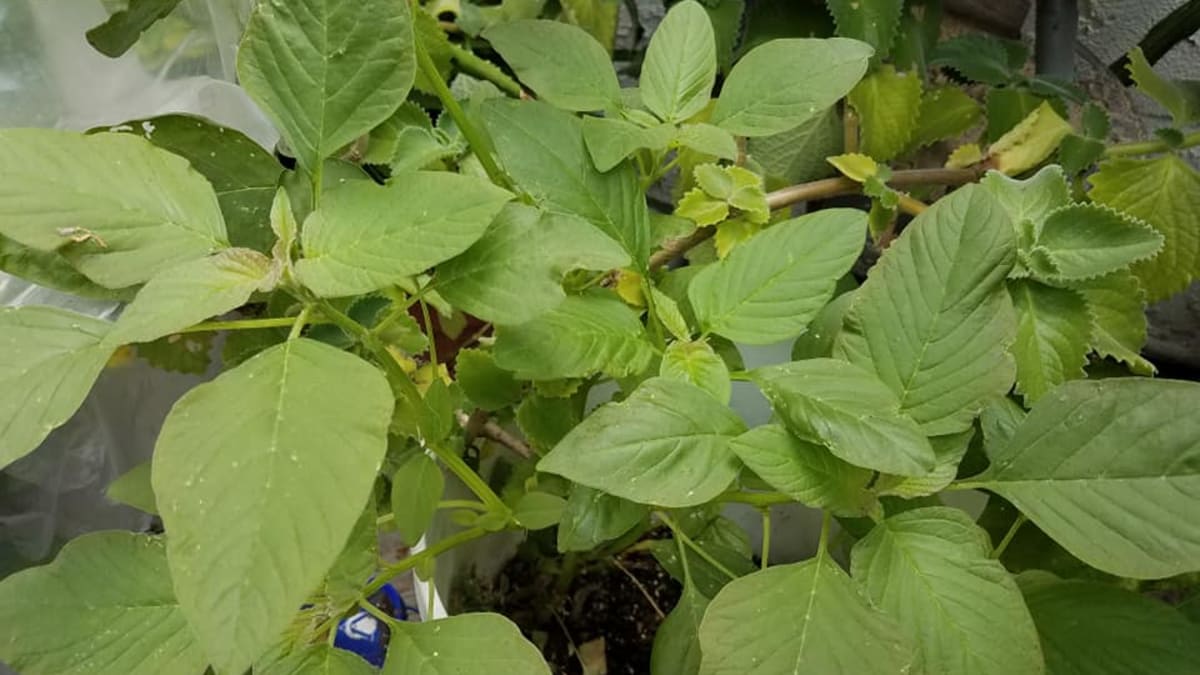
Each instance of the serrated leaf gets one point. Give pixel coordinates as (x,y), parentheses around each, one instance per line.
(592,517)
(1085,241)
(733,233)
(103,607)
(681,64)
(319,660)
(539,510)
(1117,306)
(847,409)
(1032,199)
(122,29)
(888,104)
(561,63)
(667,444)
(407,141)
(465,644)
(59,191)
(933,319)
(1030,142)
(769,288)
(696,363)
(327,72)
(1077,153)
(945,112)
(871,21)
(581,336)
(1053,335)
(611,140)
(260,476)
(798,154)
(855,166)
(365,236)
(1165,193)
(805,471)
(1181,98)
(701,209)
(978,57)
(676,649)
(755,102)
(1096,464)
(796,618)
(417,486)
(931,570)
(133,489)
(707,139)
(964,156)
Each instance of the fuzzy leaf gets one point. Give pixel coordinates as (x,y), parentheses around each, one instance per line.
(563,65)
(1032,199)
(681,64)
(696,363)
(1053,334)
(1117,306)
(1085,241)
(888,104)
(872,21)
(611,140)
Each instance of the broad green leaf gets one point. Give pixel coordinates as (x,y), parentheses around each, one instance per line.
(1117,307)
(696,363)
(260,476)
(417,486)
(1181,98)
(192,292)
(1094,629)
(707,140)
(52,270)
(485,383)
(1164,192)
(539,510)
(355,564)
(681,64)
(123,27)
(121,209)
(980,57)
(872,21)
(367,236)
(1032,199)
(1101,465)
(676,648)
(667,444)
(1085,241)
(465,644)
(933,319)
(592,517)
(514,272)
(610,140)
(1053,336)
(848,410)
(998,421)
(1030,142)
(946,112)
(582,336)
(805,471)
(724,542)
(563,65)
(888,104)
(798,154)
(818,338)
(948,452)
(806,617)
(319,660)
(772,286)
(133,488)
(543,150)
(597,17)
(546,418)
(475,19)
(103,607)
(327,72)
(755,101)
(51,359)
(931,570)
(1005,108)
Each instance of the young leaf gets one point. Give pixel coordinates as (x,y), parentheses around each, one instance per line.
(105,605)
(133,488)
(798,154)
(52,358)
(676,648)
(582,336)
(563,65)
(696,363)
(1181,98)
(122,29)
(757,101)
(539,510)
(806,617)
(58,190)
(610,140)
(327,72)
(681,64)
(707,140)
(464,644)
(848,410)
(933,319)
(1085,241)
(888,104)
(772,286)
(1032,199)
(1053,334)
(1117,306)
(417,486)
(260,476)
(1100,465)
(931,570)
(592,517)
(319,660)
(365,237)
(666,445)
(946,112)
(1164,192)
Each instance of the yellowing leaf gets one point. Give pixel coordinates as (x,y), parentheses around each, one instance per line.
(629,287)
(888,104)
(964,156)
(731,233)
(854,165)
(1030,142)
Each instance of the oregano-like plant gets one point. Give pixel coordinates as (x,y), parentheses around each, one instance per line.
(462,261)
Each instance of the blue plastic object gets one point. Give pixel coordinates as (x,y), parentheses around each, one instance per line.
(366,635)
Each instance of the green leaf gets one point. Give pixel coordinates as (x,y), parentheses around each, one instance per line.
(52,270)
(51,359)
(543,150)
(948,452)
(563,65)
(848,410)
(1032,199)
(1077,153)
(771,287)
(666,445)
(807,472)
(539,510)
(260,476)
(366,236)
(465,644)
(681,64)
(1085,241)
(104,606)
(818,338)
(701,209)
(592,517)
(980,57)
(707,139)
(676,649)
(670,315)
(756,101)
(1117,306)
(872,21)
(545,420)
(582,336)
(488,386)
(417,486)
(355,564)
(946,112)
(723,540)
(1164,192)
(407,141)
(59,191)
(320,660)
(1094,629)
(1053,334)
(327,72)
(1181,98)
(931,570)
(888,104)
(798,154)
(1006,107)
(998,422)
(806,617)
(933,319)
(696,363)
(611,140)
(1097,464)
(122,29)
(597,17)
(133,488)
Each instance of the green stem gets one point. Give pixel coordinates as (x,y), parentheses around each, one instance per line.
(1008,536)
(1148,147)
(965,485)
(683,560)
(300,322)
(756,499)
(392,571)
(823,542)
(704,555)
(463,504)
(656,329)
(377,613)
(472,64)
(395,315)
(430,335)
(766,536)
(317,181)
(243,324)
(469,478)
(738,375)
